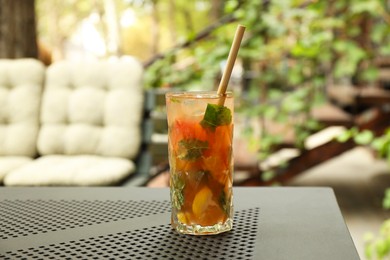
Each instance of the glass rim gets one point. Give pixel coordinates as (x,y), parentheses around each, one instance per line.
(197,94)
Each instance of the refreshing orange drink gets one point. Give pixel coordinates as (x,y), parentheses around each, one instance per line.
(200,157)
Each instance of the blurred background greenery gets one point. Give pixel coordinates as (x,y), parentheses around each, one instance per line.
(296,55)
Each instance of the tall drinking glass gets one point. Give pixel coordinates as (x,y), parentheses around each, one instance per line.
(200,132)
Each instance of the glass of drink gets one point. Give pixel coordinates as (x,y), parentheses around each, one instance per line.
(200,132)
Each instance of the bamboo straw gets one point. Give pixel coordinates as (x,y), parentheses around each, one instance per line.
(230,63)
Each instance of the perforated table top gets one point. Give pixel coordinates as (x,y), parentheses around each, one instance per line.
(133,223)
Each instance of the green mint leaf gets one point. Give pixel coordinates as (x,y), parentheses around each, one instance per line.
(216,115)
(224,203)
(192,149)
(177,191)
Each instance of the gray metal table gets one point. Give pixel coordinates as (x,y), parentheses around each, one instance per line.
(133,223)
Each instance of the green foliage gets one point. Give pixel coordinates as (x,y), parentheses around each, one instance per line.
(364,137)
(378,247)
(347,135)
(386,200)
(268,175)
(291,50)
(382,145)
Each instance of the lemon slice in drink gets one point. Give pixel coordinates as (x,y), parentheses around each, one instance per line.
(181,216)
(201,201)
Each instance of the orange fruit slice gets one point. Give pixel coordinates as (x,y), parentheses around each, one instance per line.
(201,201)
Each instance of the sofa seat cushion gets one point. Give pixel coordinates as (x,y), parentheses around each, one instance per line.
(21,83)
(63,170)
(9,163)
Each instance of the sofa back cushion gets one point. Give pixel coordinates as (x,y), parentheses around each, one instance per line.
(92,108)
(21,82)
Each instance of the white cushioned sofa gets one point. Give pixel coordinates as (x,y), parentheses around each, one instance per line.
(21,84)
(72,124)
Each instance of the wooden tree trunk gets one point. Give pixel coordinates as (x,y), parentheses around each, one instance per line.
(17,29)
